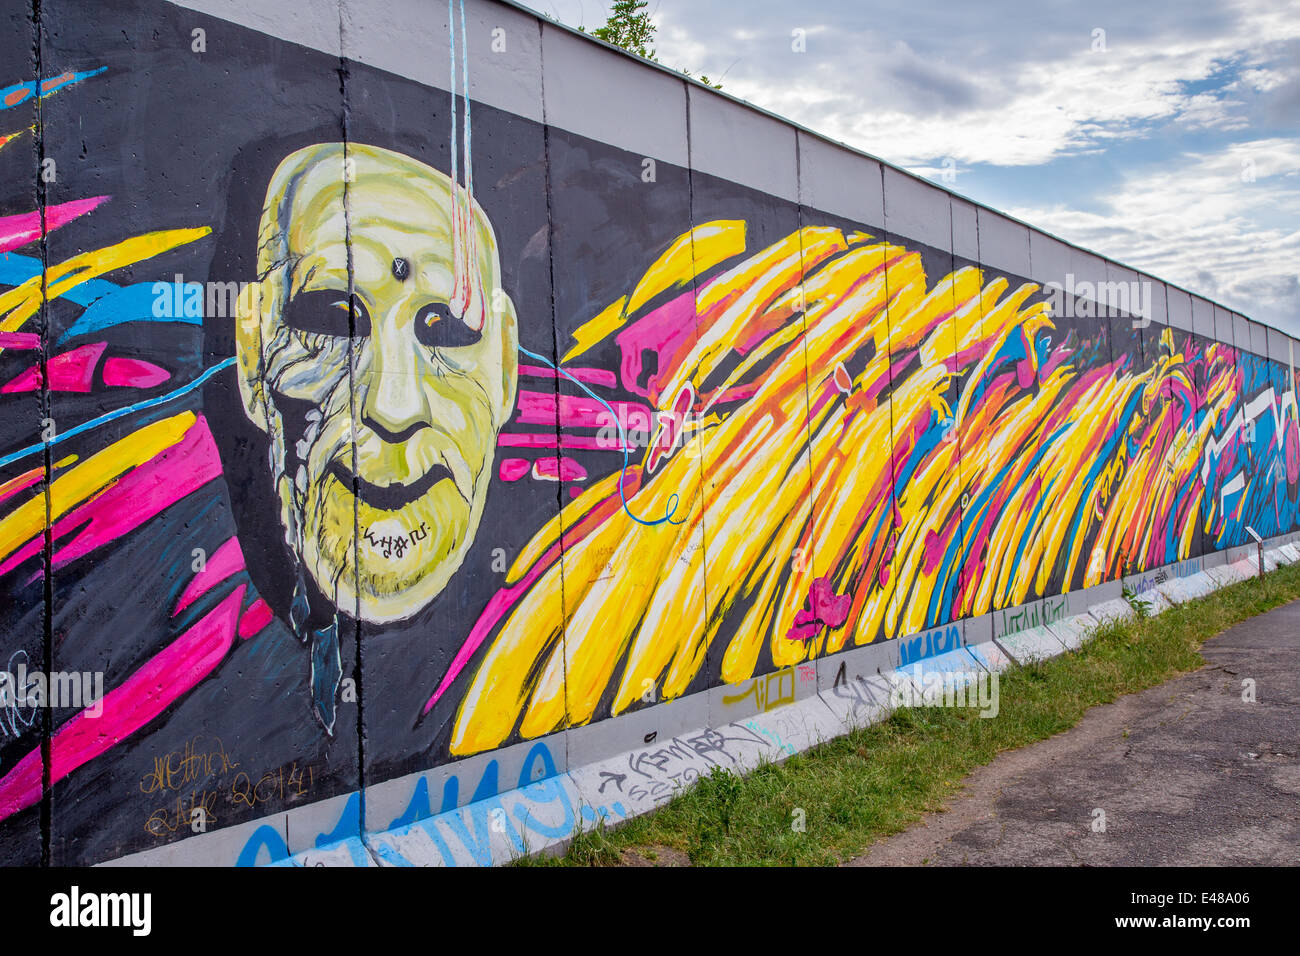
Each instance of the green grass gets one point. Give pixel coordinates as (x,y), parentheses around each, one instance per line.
(873,782)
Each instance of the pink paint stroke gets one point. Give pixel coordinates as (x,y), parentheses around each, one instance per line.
(144,695)
(133,373)
(70,371)
(133,499)
(20,340)
(558,469)
(512,469)
(826,609)
(538,408)
(544,440)
(592,376)
(255,618)
(506,598)
(22,483)
(662,331)
(227,560)
(17,231)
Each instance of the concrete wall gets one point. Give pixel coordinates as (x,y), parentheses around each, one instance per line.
(366,579)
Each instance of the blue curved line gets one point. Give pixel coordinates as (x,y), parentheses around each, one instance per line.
(119,413)
(672,499)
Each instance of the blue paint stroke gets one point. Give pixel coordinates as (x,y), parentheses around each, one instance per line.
(107,303)
(264,836)
(118,413)
(134,303)
(349,823)
(31,86)
(16,269)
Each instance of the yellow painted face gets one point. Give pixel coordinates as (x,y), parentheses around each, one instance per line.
(381,469)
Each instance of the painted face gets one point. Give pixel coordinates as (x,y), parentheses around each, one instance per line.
(382,407)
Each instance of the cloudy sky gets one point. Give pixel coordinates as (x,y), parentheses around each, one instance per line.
(1165,135)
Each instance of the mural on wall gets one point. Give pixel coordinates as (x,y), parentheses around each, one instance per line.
(1068,458)
(353,466)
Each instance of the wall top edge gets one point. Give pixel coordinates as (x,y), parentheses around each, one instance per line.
(547,22)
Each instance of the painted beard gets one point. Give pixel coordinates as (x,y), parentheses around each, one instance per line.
(387,520)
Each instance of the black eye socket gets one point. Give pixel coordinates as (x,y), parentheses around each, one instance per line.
(437,328)
(325,312)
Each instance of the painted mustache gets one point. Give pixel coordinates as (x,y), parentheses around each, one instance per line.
(392,497)
(297,416)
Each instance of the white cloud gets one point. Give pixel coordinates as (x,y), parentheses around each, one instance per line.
(1022,91)
(1225,224)
(1191,90)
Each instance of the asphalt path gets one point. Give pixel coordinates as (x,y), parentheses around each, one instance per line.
(1191,772)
